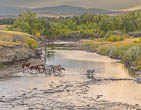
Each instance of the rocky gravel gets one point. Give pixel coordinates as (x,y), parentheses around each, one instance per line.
(61,95)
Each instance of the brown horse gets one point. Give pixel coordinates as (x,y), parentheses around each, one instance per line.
(38,68)
(42,67)
(26,65)
(57,68)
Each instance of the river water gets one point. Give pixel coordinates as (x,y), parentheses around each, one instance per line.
(76,63)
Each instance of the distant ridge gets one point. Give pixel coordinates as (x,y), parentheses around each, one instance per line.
(63,9)
(70,9)
(11,10)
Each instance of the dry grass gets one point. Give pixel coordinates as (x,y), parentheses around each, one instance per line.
(12,38)
(3,27)
(107,43)
(9,44)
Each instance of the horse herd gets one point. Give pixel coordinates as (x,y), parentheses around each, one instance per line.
(51,69)
(41,68)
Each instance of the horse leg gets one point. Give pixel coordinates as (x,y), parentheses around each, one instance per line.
(39,70)
(23,70)
(44,70)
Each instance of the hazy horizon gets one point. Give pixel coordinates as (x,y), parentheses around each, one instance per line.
(101,4)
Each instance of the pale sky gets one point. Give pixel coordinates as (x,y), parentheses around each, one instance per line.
(103,4)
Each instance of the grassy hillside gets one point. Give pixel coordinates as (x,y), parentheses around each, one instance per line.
(10,38)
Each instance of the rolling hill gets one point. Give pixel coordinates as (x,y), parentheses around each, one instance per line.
(11,10)
(63,9)
(69,9)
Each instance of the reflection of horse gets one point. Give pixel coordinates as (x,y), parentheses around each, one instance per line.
(57,68)
(90,73)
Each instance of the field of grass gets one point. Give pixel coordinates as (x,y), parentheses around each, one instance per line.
(12,38)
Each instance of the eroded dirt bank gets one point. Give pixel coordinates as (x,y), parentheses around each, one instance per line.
(11,59)
(10,55)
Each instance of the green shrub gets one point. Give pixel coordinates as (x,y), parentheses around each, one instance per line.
(115,38)
(88,44)
(108,34)
(104,50)
(131,54)
(126,36)
(32,43)
(138,67)
(116,52)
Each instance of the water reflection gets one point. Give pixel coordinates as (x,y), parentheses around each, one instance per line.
(77,62)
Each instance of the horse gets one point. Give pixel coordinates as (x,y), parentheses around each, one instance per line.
(41,67)
(57,68)
(49,69)
(90,73)
(36,67)
(27,64)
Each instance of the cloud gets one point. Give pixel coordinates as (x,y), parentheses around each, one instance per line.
(104,4)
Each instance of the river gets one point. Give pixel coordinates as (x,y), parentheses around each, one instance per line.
(72,90)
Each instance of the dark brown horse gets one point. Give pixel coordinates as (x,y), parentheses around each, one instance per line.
(27,64)
(42,67)
(38,68)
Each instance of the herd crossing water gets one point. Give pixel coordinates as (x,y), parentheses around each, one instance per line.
(73,89)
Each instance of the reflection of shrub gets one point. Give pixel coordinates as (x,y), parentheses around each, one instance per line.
(115,38)
(32,43)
